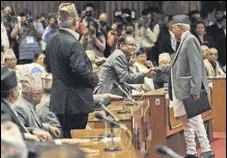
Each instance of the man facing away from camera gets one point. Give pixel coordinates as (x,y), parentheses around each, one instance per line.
(73,79)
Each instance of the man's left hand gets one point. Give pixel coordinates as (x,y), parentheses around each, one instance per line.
(195,96)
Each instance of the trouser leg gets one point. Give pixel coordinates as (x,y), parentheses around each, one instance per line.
(201,134)
(189,136)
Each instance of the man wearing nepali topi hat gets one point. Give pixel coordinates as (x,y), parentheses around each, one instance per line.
(32,92)
(187,79)
(73,78)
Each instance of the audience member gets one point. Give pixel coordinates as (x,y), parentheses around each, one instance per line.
(162,79)
(104,28)
(212,66)
(39,59)
(50,30)
(112,37)
(4,37)
(194,17)
(32,92)
(217,32)
(200,33)
(93,39)
(204,51)
(10,61)
(29,34)
(149,34)
(142,65)
(10,20)
(166,41)
(90,12)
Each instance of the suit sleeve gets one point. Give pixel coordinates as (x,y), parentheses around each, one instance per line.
(81,67)
(121,68)
(195,64)
(47,63)
(22,116)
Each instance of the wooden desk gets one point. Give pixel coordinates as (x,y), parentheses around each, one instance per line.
(127,151)
(165,128)
(219,104)
(137,121)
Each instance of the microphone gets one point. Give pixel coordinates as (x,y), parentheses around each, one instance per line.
(132,87)
(164,150)
(122,90)
(101,117)
(109,112)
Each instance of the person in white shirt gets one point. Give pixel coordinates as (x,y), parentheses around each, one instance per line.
(142,65)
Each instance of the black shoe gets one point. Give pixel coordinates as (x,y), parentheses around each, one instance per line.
(190,156)
(209,154)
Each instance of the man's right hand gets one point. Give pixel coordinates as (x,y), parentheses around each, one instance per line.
(150,73)
(43,135)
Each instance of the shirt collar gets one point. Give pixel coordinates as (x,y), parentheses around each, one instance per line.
(183,35)
(75,34)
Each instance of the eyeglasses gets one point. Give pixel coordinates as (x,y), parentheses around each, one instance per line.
(131,44)
(214,54)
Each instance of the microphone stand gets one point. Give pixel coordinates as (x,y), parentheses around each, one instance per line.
(124,111)
(106,134)
(112,148)
(129,98)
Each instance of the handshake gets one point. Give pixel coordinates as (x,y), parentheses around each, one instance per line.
(150,73)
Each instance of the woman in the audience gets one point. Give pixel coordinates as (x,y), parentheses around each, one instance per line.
(202,36)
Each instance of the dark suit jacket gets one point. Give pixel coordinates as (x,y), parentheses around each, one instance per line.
(163,43)
(6,109)
(218,35)
(73,78)
(208,41)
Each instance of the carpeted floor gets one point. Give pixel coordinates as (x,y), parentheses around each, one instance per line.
(218,144)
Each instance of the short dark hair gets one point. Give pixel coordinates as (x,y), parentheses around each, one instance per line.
(140,51)
(36,56)
(41,15)
(204,14)
(90,5)
(122,39)
(200,22)
(191,13)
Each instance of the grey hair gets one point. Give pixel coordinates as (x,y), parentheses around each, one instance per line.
(66,24)
(186,26)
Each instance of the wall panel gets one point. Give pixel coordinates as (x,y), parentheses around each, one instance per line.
(170,7)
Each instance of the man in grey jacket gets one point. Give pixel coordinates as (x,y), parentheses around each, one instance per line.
(188,77)
(116,68)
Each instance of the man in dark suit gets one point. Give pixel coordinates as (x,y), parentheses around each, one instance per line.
(166,42)
(73,79)
(218,34)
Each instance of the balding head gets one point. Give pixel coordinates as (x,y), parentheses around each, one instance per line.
(103,17)
(212,54)
(204,50)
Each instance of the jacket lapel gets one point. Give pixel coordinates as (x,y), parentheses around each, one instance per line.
(178,50)
(5,107)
